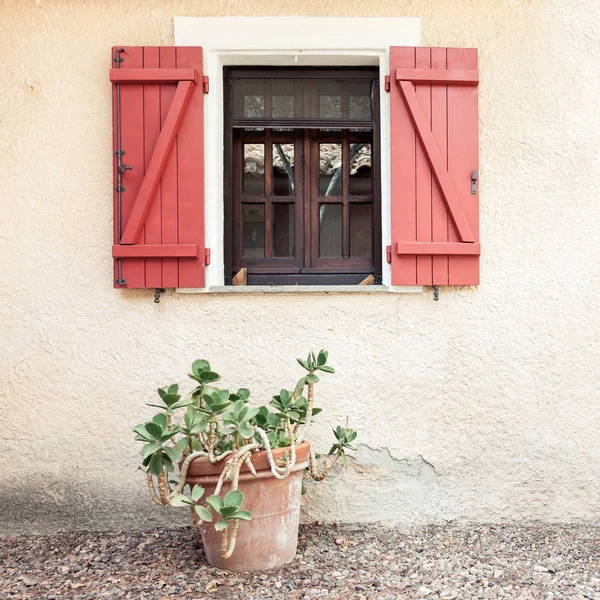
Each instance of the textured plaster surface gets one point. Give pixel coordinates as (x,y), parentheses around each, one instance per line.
(483,406)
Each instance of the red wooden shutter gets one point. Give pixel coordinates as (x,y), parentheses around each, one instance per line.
(434,157)
(158,105)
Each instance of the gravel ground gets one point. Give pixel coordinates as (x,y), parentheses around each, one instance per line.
(334,562)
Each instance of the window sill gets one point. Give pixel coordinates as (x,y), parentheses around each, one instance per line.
(301,289)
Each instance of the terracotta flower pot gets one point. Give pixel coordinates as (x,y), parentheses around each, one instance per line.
(270,538)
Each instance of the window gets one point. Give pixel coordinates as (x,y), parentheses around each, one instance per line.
(302,194)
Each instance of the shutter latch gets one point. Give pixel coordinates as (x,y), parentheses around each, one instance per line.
(474,182)
(388,253)
(436,292)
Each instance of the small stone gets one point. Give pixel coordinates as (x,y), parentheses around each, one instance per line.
(540,568)
(424,591)
(30,581)
(498,573)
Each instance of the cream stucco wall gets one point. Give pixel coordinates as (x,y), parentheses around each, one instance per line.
(481,407)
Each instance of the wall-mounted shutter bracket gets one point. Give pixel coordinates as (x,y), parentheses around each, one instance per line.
(387,83)
(205,84)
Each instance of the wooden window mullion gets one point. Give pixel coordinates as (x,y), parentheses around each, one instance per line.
(345,166)
(268,193)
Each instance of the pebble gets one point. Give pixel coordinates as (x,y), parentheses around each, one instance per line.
(445,562)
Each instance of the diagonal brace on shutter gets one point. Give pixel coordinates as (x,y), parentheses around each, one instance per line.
(436,162)
(158,162)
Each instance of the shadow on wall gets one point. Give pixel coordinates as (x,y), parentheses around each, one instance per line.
(373,484)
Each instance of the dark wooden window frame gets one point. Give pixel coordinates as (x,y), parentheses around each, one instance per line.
(306,268)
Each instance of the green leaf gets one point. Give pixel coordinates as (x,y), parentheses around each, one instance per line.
(242,515)
(299,387)
(245,431)
(220,525)
(244,394)
(181,445)
(227,511)
(169,434)
(302,363)
(203,513)
(312,378)
(171,399)
(198,366)
(181,404)
(149,449)
(234,498)
(142,434)
(322,357)
(180,500)
(208,376)
(155,466)
(173,453)
(197,492)
(196,445)
(154,431)
(326,369)
(351,437)
(215,502)
(161,420)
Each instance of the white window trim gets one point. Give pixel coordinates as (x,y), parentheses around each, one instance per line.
(288,41)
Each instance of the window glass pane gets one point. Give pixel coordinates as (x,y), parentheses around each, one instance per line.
(330,169)
(254,170)
(283,229)
(330,230)
(283,169)
(253,93)
(360,230)
(283,99)
(253,230)
(330,99)
(359,101)
(360,169)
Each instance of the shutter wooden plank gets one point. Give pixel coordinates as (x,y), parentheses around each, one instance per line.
(437,248)
(462,159)
(132,141)
(152,224)
(157,250)
(130,75)
(190,174)
(437,164)
(403,168)
(165,142)
(170,266)
(439,213)
(423,172)
(426,75)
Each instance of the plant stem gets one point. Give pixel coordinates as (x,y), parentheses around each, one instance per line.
(313,466)
(153,495)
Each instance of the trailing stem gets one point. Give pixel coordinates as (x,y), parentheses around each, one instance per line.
(153,494)
(313,466)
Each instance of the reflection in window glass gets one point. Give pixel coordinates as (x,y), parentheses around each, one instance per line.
(283,99)
(330,99)
(360,169)
(360,230)
(330,169)
(330,230)
(283,229)
(254,170)
(253,93)
(359,101)
(253,230)
(283,169)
